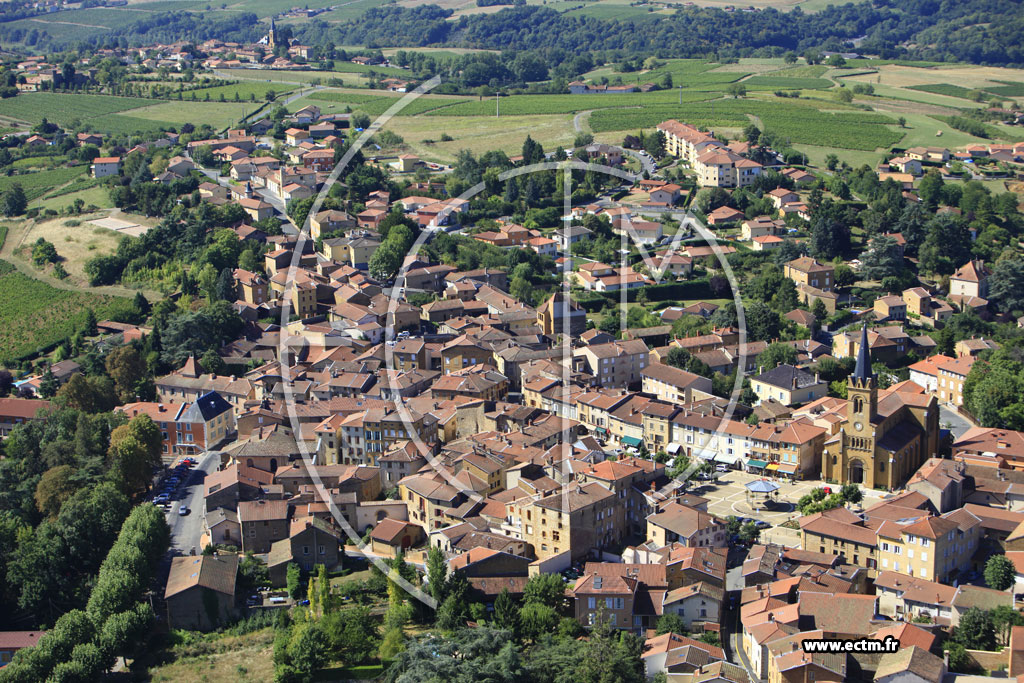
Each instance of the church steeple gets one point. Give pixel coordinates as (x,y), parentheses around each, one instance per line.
(861,387)
(272,36)
(863,370)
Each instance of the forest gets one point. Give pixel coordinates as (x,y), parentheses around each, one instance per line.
(975,31)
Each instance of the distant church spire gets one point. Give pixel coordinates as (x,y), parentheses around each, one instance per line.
(863,370)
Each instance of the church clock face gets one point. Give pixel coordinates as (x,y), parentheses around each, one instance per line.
(858,426)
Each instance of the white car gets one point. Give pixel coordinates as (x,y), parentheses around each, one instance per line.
(183,510)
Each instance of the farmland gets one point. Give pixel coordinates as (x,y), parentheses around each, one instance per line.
(39,183)
(66,108)
(562,104)
(36,315)
(244,91)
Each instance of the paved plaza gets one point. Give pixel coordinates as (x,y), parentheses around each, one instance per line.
(728,496)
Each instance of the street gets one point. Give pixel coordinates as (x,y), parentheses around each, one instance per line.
(950,419)
(186,530)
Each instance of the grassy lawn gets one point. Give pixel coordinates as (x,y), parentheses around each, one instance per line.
(75,244)
(480,134)
(217,114)
(97,196)
(220,659)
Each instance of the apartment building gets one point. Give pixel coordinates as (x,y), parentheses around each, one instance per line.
(951,378)
(615,364)
(673,384)
(723,168)
(577,520)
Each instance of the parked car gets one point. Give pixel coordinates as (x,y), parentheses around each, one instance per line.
(162,498)
(761,524)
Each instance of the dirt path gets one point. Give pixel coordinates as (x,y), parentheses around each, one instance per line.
(16,234)
(577,121)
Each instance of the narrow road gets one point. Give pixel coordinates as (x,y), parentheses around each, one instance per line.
(186,530)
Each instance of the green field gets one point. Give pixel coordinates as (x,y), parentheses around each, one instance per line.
(39,183)
(1008,89)
(947,89)
(563,104)
(244,91)
(374,105)
(36,316)
(772,82)
(66,108)
(799,123)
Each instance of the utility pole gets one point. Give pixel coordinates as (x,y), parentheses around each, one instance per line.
(497,105)
(680,95)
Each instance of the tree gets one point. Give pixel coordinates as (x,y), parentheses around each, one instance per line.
(48,385)
(212,362)
(56,486)
(392,644)
(293,581)
(536,620)
(749,533)
(737,90)
(776,354)
(14,201)
(134,451)
(437,571)
(762,322)
(386,261)
(44,252)
(1004,618)
(88,394)
(127,368)
(819,310)
(881,259)
(1006,284)
(546,589)
(670,622)
(851,493)
(307,650)
(506,614)
(999,572)
(976,631)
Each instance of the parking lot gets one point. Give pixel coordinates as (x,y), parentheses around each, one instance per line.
(728,496)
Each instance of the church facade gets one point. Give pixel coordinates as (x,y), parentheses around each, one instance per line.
(882,439)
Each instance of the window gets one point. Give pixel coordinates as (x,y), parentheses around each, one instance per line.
(323,550)
(305,550)
(591,603)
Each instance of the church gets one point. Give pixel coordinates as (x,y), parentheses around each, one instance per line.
(881,438)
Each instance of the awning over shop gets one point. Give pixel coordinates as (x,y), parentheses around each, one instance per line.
(772,466)
(631,441)
(673,448)
(600,430)
(727,459)
(787,469)
(756,464)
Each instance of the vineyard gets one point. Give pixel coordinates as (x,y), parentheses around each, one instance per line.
(1008,89)
(38,184)
(37,316)
(516,105)
(375,105)
(947,89)
(800,124)
(64,108)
